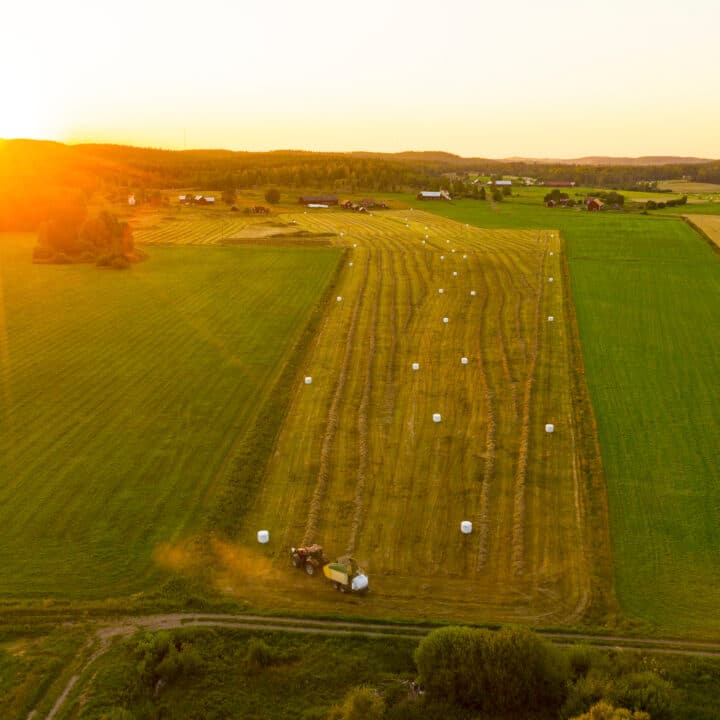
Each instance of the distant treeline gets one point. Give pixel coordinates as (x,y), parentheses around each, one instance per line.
(33,173)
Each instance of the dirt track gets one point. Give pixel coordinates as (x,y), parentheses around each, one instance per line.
(106,633)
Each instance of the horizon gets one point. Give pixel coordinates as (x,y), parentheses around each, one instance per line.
(512,158)
(540,84)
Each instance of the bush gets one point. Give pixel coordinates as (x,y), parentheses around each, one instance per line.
(496,672)
(259,654)
(645,691)
(605,711)
(361,703)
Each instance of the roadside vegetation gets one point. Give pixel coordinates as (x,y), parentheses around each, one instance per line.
(452,673)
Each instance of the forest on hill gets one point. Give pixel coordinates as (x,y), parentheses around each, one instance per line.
(36,176)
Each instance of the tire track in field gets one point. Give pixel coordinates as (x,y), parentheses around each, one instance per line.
(332,422)
(363,412)
(502,345)
(518,528)
(483,520)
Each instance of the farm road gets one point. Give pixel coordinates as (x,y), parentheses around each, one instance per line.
(106,633)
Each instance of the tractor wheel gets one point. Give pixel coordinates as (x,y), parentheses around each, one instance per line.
(309,568)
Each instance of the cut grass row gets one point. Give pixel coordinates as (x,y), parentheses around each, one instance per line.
(124,396)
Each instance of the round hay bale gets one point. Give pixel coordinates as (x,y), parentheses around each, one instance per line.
(350,264)
(551,279)
(454,273)
(442,257)
(339,298)
(263,536)
(549,428)
(463,361)
(441,291)
(551,318)
(416,366)
(446,320)
(308,380)
(437,417)
(465,527)
(473,293)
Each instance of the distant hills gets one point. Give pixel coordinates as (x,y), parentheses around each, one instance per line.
(603,160)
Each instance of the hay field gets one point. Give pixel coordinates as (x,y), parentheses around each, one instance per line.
(709,225)
(122,398)
(361,467)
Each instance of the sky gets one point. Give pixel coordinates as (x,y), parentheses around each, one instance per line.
(482,79)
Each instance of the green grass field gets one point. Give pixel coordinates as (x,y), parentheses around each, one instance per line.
(646,291)
(124,395)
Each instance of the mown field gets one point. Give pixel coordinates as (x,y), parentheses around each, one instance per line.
(361,467)
(124,396)
(646,289)
(709,225)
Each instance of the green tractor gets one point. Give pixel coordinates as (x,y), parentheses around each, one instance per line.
(311,558)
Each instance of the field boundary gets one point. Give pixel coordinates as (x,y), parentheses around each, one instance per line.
(712,243)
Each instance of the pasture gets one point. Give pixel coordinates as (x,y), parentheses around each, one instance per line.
(124,396)
(645,290)
(361,467)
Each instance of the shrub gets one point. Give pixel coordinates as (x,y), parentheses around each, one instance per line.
(272,196)
(496,672)
(645,691)
(361,703)
(605,711)
(259,654)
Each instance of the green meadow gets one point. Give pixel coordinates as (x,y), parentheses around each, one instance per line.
(124,396)
(646,291)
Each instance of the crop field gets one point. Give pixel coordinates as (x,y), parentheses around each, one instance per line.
(646,289)
(361,467)
(685,187)
(122,397)
(709,225)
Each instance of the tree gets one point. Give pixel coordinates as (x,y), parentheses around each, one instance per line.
(508,671)
(229,195)
(272,196)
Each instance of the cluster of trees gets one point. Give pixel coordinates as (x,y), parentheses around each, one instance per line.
(514,673)
(612,198)
(653,205)
(69,236)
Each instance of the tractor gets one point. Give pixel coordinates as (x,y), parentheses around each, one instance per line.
(311,558)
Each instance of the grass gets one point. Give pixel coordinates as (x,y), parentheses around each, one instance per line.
(304,676)
(709,226)
(301,676)
(124,398)
(645,289)
(34,666)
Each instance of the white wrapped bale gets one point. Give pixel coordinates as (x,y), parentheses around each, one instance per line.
(308,380)
(263,536)
(551,318)
(446,320)
(551,279)
(339,298)
(437,417)
(473,293)
(465,527)
(416,366)
(463,361)
(441,291)
(549,428)
(454,273)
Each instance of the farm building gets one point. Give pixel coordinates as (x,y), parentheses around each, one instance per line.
(559,183)
(433,195)
(593,203)
(318,200)
(500,183)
